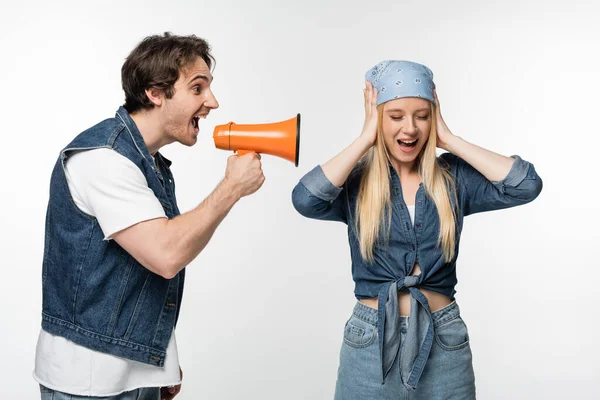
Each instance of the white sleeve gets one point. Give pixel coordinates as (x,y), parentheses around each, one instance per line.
(111,188)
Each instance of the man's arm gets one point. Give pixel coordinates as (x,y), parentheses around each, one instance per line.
(166,246)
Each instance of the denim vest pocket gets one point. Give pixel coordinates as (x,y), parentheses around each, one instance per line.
(358,333)
(137,309)
(110,328)
(452,335)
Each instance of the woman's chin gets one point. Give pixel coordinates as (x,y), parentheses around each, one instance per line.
(404,158)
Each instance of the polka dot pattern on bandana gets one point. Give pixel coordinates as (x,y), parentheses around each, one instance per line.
(396,79)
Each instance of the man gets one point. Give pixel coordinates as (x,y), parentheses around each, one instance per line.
(116,246)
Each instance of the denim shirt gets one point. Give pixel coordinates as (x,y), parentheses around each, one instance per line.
(93,292)
(395,256)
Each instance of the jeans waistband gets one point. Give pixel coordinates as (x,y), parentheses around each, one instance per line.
(441,316)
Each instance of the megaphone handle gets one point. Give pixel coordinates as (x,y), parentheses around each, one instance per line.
(242,152)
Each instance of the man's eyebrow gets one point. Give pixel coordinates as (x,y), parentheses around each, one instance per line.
(200,76)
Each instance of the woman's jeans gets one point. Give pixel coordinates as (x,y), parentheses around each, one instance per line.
(448,373)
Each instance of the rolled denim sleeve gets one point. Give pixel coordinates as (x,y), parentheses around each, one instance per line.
(521,185)
(316,197)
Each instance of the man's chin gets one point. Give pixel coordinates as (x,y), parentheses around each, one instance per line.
(189,139)
(189,142)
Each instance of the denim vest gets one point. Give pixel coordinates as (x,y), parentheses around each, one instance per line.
(394,256)
(93,292)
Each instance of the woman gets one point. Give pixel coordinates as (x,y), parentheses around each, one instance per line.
(404,207)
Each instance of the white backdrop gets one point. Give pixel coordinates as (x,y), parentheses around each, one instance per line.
(266,301)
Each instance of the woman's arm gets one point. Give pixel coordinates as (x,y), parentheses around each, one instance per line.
(317,193)
(490,180)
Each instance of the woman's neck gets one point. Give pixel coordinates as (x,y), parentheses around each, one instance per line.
(406,171)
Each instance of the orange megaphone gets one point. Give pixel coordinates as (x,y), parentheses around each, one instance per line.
(281,139)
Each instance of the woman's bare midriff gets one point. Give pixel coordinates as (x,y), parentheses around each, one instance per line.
(436,300)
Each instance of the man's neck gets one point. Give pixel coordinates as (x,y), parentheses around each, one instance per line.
(148,123)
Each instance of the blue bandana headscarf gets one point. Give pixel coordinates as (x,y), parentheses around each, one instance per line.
(395,79)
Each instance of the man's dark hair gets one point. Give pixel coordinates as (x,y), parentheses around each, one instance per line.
(156,63)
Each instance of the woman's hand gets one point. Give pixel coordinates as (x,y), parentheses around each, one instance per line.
(444,136)
(369,131)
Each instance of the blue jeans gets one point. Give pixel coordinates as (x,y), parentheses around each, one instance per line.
(139,394)
(448,373)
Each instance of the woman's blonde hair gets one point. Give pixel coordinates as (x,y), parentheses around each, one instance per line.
(373,207)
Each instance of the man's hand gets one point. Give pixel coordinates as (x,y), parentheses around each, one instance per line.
(244,173)
(168,393)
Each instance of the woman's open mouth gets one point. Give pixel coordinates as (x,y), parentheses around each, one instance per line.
(407,145)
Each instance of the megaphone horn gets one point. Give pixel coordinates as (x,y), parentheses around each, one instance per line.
(281,139)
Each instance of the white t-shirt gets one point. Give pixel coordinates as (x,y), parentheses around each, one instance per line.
(411,212)
(110,187)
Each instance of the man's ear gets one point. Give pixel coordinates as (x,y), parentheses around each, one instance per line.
(155,96)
